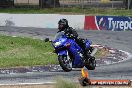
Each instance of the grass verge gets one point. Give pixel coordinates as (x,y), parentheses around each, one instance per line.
(75,10)
(16,51)
(63,83)
(102,53)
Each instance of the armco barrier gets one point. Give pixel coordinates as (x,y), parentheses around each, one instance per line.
(108,23)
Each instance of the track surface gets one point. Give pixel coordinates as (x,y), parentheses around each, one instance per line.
(118,40)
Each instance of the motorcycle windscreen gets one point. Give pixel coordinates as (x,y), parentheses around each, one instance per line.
(59,35)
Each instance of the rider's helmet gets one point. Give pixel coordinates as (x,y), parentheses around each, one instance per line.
(63,24)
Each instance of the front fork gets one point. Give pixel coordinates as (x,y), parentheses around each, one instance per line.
(65,53)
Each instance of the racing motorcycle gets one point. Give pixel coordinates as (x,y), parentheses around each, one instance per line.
(70,54)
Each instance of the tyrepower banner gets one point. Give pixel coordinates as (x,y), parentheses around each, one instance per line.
(108,23)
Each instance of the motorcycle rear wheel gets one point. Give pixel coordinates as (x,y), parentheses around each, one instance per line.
(65,63)
(92,63)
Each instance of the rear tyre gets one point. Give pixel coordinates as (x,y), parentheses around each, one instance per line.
(65,63)
(92,63)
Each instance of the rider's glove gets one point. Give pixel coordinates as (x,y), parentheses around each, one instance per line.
(69,35)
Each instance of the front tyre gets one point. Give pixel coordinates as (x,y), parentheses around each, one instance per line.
(65,62)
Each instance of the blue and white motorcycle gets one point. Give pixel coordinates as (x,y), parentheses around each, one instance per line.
(70,54)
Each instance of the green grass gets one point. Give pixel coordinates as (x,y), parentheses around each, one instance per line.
(63,83)
(16,51)
(75,10)
(102,53)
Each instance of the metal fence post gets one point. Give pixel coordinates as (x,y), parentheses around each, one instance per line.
(82,1)
(41,3)
(63,5)
(128,4)
(54,3)
(112,5)
(28,3)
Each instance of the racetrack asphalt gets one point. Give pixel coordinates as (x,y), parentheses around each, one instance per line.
(121,40)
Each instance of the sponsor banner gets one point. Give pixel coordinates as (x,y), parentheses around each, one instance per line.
(108,23)
(90,23)
(110,82)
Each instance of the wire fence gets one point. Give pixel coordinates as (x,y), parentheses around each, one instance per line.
(71,3)
(92,3)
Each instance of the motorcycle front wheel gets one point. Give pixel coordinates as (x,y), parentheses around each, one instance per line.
(65,62)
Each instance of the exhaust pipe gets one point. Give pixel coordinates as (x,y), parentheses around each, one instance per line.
(94,52)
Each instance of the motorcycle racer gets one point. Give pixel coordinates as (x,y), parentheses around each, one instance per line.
(71,33)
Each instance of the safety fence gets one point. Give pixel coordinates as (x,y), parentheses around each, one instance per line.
(92,3)
(68,3)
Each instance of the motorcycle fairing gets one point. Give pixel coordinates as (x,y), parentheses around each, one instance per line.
(75,50)
(63,52)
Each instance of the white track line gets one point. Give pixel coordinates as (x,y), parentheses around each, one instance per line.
(41,83)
